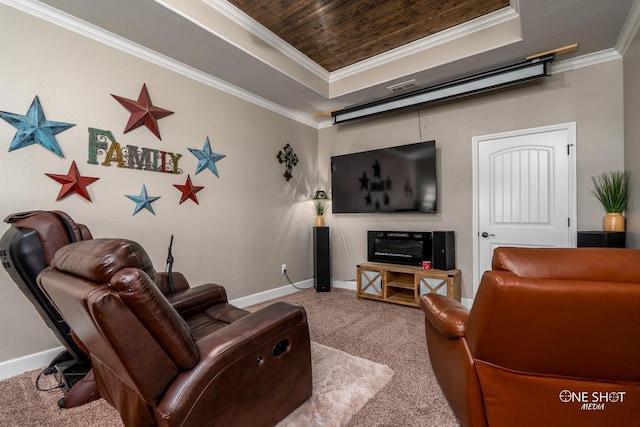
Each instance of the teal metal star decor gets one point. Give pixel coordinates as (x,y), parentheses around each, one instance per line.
(34,128)
(206,158)
(143,201)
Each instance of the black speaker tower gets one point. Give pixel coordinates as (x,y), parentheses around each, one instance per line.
(321,260)
(444,250)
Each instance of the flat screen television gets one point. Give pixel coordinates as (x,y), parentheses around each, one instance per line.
(394,179)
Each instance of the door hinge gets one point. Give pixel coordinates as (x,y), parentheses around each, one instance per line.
(569,149)
(568,222)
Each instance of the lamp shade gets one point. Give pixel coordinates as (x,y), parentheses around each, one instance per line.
(320,195)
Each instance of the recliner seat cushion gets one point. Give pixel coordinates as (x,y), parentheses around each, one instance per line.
(214,318)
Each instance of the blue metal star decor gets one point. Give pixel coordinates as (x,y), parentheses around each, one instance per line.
(34,128)
(143,201)
(206,158)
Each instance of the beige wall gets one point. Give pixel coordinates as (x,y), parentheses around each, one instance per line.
(249,220)
(632,138)
(590,96)
(251,207)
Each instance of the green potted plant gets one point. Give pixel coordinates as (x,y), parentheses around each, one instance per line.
(612,190)
(320,204)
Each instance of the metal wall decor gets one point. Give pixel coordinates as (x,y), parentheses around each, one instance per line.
(34,128)
(143,200)
(130,156)
(206,158)
(73,182)
(188,190)
(103,149)
(143,112)
(289,158)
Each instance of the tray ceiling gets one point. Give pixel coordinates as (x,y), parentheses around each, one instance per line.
(339,33)
(312,56)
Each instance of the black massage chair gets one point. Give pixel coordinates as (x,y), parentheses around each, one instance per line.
(26,249)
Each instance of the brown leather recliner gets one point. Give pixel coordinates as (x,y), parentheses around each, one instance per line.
(199,361)
(551,340)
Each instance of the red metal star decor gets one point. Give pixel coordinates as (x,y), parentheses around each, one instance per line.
(143,112)
(73,182)
(188,190)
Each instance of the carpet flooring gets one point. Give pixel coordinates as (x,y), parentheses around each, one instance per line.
(389,334)
(392,336)
(342,385)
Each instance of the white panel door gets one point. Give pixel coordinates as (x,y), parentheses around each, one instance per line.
(524,192)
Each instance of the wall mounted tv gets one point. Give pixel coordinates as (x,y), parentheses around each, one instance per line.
(394,179)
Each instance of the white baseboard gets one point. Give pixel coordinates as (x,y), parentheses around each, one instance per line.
(271,294)
(351,285)
(10,368)
(286,290)
(33,361)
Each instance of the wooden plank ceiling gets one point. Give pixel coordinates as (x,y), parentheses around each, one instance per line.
(338,33)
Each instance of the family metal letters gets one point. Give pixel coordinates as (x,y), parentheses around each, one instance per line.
(131,157)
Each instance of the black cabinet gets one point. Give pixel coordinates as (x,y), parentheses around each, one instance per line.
(601,239)
(321,259)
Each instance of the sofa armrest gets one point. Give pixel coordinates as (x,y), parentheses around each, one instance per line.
(197,299)
(447,315)
(257,327)
(240,363)
(180,282)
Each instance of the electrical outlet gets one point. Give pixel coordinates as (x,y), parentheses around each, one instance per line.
(283,268)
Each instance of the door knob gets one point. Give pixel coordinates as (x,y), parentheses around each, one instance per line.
(485,234)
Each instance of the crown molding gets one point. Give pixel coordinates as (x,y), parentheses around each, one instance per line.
(585,60)
(629,29)
(98,34)
(260,31)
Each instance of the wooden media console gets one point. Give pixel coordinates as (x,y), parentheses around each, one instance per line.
(404,284)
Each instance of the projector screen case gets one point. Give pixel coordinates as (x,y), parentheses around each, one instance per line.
(466,86)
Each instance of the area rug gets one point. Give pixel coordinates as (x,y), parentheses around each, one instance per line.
(342,385)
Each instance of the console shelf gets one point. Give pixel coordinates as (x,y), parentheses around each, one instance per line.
(404,284)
